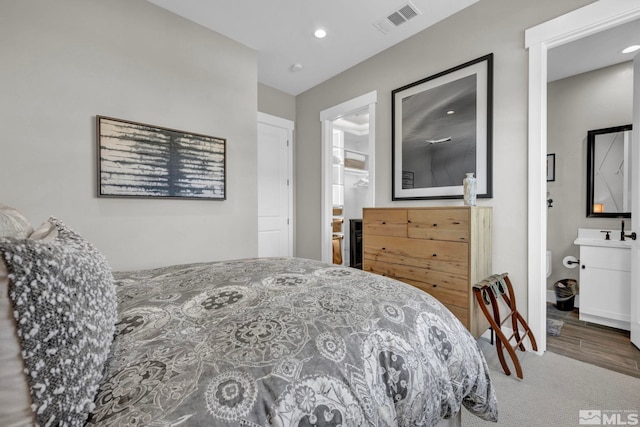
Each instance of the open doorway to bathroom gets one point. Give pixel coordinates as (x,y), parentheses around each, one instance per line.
(580,101)
(591,19)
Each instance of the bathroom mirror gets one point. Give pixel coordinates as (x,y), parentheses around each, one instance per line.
(608,172)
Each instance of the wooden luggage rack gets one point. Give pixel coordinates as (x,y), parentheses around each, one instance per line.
(489,292)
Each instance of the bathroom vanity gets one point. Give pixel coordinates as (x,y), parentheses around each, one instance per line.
(605,278)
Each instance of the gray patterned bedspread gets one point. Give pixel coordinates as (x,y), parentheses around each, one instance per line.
(286,342)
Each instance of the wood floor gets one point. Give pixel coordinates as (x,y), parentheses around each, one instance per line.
(606,347)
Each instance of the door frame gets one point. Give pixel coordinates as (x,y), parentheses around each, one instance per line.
(289,127)
(590,19)
(634,318)
(327,117)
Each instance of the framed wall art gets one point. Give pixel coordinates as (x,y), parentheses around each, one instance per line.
(551,167)
(140,160)
(442,130)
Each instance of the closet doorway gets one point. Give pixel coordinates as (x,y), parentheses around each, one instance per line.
(348,176)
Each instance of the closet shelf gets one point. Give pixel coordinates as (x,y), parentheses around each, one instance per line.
(362,153)
(356,171)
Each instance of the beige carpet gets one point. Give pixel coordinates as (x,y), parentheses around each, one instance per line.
(554,391)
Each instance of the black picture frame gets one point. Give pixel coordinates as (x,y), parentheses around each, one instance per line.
(142,160)
(551,167)
(442,129)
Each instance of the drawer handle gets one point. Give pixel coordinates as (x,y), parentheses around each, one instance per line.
(435,286)
(435,225)
(383,223)
(384,249)
(435,255)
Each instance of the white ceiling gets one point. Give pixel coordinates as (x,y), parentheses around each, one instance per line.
(281,31)
(593,52)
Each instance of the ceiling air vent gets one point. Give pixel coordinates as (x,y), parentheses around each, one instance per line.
(397,18)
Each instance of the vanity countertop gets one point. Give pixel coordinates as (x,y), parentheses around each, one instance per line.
(595,237)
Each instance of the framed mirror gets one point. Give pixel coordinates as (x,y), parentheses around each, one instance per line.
(608,172)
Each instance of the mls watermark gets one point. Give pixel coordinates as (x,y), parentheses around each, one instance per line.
(600,417)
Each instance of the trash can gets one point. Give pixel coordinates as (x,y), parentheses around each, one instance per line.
(566,291)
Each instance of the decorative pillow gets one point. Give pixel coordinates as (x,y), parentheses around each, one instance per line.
(64,304)
(15,402)
(13,223)
(46,231)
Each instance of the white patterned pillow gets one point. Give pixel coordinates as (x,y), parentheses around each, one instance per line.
(64,304)
(13,223)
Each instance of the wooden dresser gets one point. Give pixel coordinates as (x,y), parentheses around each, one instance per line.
(441,250)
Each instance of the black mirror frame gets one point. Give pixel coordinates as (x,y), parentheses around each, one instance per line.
(591,140)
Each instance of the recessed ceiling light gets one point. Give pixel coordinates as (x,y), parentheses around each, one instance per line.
(631,48)
(320,33)
(450,112)
(296,68)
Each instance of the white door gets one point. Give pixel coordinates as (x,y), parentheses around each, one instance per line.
(635,206)
(275,237)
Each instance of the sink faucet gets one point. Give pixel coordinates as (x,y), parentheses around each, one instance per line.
(632,236)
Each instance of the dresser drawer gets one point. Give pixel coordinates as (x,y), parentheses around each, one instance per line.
(439,224)
(435,255)
(443,294)
(421,277)
(385,222)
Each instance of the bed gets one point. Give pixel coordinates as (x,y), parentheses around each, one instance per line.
(251,342)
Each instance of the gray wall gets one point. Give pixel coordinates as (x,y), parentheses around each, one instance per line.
(487,26)
(594,100)
(275,102)
(65,62)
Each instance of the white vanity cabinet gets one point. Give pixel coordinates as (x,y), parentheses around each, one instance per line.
(605,281)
